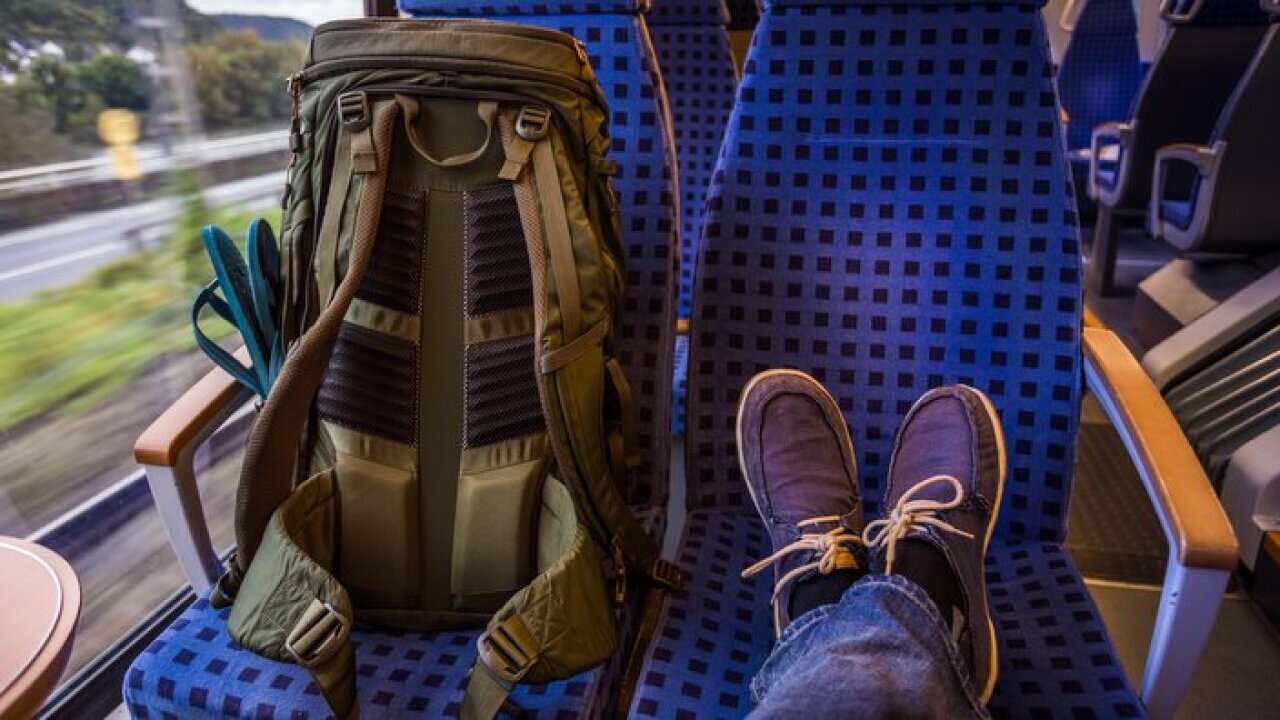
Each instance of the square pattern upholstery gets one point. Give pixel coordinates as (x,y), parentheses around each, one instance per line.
(701,78)
(892,211)
(1055,658)
(621,52)
(194,670)
(1101,70)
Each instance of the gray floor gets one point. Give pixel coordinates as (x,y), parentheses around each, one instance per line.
(1239,674)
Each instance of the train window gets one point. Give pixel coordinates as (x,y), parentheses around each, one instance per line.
(124,126)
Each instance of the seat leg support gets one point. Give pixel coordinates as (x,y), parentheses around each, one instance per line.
(1188,610)
(177,497)
(1102,260)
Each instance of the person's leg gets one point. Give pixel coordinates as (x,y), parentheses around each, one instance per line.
(918,640)
(883,651)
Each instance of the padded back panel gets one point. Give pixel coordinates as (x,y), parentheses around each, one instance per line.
(1183,95)
(1245,216)
(1101,70)
(892,212)
(701,78)
(622,55)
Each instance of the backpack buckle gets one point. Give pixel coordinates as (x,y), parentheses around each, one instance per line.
(667,574)
(508,649)
(353,111)
(318,634)
(533,122)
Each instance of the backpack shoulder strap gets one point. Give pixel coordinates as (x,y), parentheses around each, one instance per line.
(289,605)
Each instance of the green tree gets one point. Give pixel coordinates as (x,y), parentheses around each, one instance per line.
(118,81)
(26,131)
(54,83)
(76,27)
(239,78)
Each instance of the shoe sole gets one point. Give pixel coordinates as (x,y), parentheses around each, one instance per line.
(989,689)
(845,438)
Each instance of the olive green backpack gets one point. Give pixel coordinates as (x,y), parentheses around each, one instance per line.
(447,442)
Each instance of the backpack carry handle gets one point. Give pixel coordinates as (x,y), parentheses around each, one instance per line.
(409,108)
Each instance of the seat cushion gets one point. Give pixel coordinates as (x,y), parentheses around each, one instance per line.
(1056,660)
(1177,212)
(195,670)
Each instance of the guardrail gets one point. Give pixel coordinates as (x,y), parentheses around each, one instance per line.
(152,157)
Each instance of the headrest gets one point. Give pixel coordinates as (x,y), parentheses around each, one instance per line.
(498,8)
(1107,17)
(1215,13)
(777,4)
(688,12)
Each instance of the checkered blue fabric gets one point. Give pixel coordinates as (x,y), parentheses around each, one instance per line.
(1101,70)
(194,670)
(686,12)
(622,54)
(891,212)
(701,79)
(493,8)
(1055,658)
(681,382)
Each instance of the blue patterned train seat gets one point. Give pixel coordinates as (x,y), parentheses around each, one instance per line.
(891,212)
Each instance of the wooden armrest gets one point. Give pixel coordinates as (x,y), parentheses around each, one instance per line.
(1184,500)
(162,444)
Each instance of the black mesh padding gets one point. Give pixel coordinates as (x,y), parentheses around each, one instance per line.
(498,274)
(371,384)
(501,391)
(395,270)
(1231,401)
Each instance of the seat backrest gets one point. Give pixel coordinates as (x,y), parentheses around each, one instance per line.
(1198,67)
(1245,216)
(621,51)
(701,78)
(1101,70)
(892,212)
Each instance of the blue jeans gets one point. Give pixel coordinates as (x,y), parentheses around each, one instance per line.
(883,651)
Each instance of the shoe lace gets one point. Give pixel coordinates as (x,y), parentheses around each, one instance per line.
(911,514)
(831,547)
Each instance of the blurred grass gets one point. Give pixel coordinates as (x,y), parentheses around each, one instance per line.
(67,349)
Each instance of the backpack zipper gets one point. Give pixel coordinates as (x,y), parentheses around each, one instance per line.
(327,68)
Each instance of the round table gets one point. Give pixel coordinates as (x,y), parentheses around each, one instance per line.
(39,606)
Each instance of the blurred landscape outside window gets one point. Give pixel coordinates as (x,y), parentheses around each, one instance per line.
(125,125)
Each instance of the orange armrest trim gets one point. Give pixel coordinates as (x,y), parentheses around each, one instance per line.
(1177,483)
(163,443)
